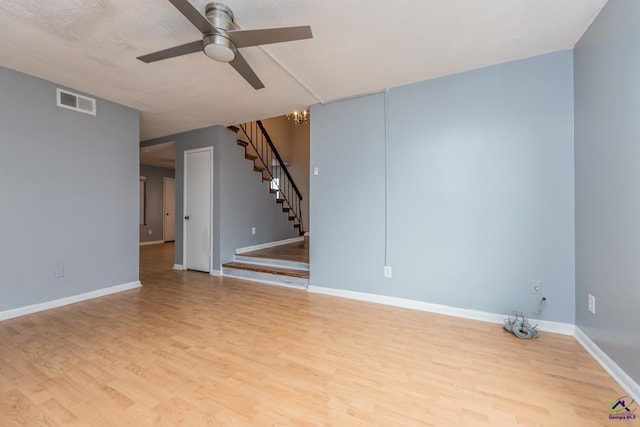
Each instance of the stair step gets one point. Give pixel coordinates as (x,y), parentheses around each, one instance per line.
(291,272)
(258,168)
(250,156)
(279,200)
(271,262)
(233,128)
(273,191)
(242,143)
(266,179)
(267,274)
(285,209)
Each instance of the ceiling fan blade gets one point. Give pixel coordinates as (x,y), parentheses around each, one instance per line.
(242,67)
(246,38)
(192,14)
(183,49)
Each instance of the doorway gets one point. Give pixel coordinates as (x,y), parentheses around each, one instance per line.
(169,209)
(198,199)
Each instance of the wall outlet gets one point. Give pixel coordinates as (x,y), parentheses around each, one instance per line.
(150,232)
(59,271)
(591,303)
(253,230)
(536,287)
(387,271)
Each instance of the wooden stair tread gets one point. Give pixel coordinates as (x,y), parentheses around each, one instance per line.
(233,128)
(290,272)
(250,156)
(243,143)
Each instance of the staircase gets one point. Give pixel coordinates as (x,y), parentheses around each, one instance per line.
(281,272)
(259,148)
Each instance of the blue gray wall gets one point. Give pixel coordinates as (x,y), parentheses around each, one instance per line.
(154,202)
(607,163)
(240,199)
(69,194)
(480,190)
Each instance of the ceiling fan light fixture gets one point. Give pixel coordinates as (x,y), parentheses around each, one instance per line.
(219,48)
(221,38)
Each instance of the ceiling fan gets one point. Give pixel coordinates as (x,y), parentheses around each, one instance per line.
(221,40)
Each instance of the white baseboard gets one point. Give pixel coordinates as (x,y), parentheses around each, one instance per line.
(627,383)
(215,273)
(613,369)
(294,284)
(34,308)
(269,245)
(543,325)
(178,267)
(153,242)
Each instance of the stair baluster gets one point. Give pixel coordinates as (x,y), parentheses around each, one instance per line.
(268,162)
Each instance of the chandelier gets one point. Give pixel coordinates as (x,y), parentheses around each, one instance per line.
(299,117)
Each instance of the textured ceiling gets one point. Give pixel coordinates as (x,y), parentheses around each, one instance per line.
(359,46)
(160,155)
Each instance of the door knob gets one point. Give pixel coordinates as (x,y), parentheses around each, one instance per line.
(186,217)
(167,214)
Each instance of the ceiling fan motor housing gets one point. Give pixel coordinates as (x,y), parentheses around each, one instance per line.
(219,46)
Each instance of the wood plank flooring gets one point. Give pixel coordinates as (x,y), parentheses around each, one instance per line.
(189,349)
(298,252)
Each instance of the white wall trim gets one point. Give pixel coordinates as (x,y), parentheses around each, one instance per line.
(627,383)
(34,308)
(269,245)
(543,325)
(152,242)
(293,285)
(613,369)
(178,267)
(215,273)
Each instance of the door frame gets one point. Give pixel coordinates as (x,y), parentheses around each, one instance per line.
(164,207)
(184,206)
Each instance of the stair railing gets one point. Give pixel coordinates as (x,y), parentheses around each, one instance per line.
(276,171)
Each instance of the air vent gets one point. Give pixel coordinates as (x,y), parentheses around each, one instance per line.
(76,102)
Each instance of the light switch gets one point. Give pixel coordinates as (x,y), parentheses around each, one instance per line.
(315,170)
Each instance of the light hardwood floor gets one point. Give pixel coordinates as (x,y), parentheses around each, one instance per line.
(298,251)
(190,349)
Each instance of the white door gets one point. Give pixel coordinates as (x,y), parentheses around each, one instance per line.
(198,183)
(169,209)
